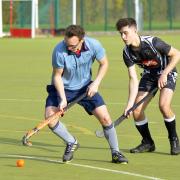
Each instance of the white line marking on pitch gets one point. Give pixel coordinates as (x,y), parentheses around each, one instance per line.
(83,165)
(80,132)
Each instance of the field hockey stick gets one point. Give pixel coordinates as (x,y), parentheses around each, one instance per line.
(100,133)
(25,139)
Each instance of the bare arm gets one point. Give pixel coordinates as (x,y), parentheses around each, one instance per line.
(103,66)
(133,87)
(58,83)
(174,55)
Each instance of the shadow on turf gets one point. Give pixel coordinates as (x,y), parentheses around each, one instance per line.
(40,145)
(44,146)
(17,142)
(155,152)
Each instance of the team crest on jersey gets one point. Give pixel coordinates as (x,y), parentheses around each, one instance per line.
(148,52)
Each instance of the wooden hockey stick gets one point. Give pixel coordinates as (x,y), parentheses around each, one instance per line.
(25,139)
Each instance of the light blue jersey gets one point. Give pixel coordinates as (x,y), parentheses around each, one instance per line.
(77,69)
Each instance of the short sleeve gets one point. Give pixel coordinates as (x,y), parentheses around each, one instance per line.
(161,46)
(99,50)
(127,59)
(57,59)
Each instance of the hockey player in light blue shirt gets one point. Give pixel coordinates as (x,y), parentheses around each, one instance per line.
(77,68)
(72,60)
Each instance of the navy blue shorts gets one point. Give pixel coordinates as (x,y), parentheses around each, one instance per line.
(89,104)
(149,82)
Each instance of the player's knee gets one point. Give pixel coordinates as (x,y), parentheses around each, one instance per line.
(53,122)
(164,108)
(137,113)
(106,121)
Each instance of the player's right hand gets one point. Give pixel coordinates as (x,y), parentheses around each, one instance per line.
(127,113)
(62,106)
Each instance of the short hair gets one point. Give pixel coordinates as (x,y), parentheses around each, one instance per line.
(74,30)
(125,22)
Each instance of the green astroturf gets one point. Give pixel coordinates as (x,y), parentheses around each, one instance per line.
(25,70)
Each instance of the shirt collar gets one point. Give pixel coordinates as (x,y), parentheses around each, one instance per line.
(83,49)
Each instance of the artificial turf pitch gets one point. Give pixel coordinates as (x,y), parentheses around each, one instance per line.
(25,70)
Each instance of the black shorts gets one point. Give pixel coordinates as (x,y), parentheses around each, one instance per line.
(89,104)
(149,82)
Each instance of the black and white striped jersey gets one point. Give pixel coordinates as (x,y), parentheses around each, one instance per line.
(152,55)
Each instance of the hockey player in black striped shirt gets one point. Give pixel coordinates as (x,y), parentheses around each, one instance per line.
(158,60)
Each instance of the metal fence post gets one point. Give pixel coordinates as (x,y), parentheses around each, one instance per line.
(56,13)
(170,10)
(105,15)
(82,12)
(129,2)
(150,14)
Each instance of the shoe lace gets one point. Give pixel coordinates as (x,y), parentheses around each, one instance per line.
(120,154)
(68,148)
(117,154)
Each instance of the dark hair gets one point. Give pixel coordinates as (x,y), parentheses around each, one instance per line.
(74,30)
(125,22)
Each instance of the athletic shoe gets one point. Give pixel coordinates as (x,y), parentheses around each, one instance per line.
(68,153)
(175,148)
(118,157)
(143,147)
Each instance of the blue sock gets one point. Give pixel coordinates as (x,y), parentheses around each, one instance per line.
(111,136)
(60,130)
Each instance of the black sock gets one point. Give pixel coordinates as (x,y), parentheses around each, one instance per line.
(145,133)
(171,127)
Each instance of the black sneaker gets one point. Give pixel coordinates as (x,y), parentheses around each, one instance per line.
(175,148)
(143,147)
(68,153)
(118,157)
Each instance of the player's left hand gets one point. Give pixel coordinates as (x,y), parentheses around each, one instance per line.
(162,81)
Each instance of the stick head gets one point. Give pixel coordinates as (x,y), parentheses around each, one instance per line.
(99,133)
(25,141)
